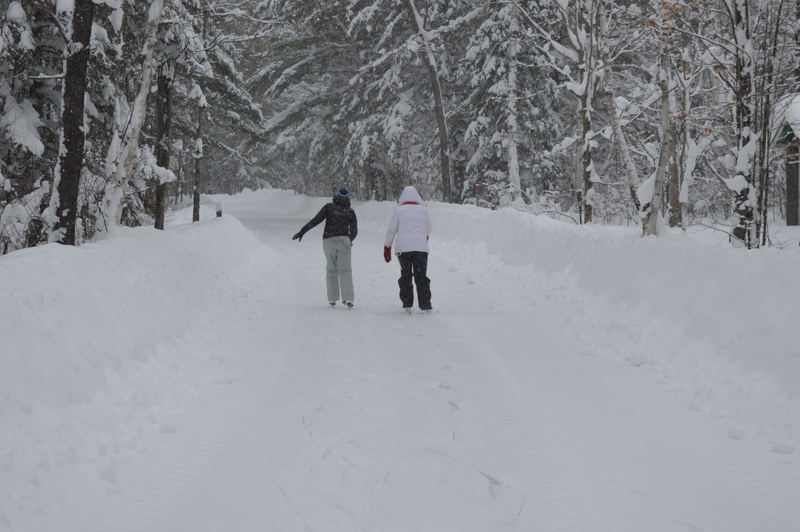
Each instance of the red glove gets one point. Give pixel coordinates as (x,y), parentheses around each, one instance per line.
(387,254)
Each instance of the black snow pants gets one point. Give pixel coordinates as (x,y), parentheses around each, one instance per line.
(414,264)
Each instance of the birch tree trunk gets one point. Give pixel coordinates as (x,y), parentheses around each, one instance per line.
(651,226)
(585,62)
(690,150)
(742,183)
(585,170)
(64,202)
(433,72)
(674,180)
(123,175)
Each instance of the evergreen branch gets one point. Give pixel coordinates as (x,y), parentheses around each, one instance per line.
(288,114)
(233,151)
(53,18)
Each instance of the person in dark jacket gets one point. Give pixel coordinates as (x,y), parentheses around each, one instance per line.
(341,228)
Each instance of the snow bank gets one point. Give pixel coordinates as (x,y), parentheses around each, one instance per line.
(715,324)
(103,343)
(84,371)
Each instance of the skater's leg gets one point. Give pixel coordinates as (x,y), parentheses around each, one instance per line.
(331,269)
(421,280)
(405,283)
(345,269)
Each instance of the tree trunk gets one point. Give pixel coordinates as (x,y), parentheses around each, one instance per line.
(765,139)
(631,175)
(114,200)
(201,120)
(745,200)
(433,73)
(164,138)
(180,181)
(674,168)
(586,160)
(577,184)
(513,161)
(689,149)
(674,180)
(65,197)
(585,62)
(651,227)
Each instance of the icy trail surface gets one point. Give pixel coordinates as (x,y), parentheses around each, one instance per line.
(521,404)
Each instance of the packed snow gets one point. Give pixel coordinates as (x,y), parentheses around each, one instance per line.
(570,378)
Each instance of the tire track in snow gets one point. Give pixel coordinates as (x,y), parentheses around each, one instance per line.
(145,488)
(706,459)
(167,463)
(549,495)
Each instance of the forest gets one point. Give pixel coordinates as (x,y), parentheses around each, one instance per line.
(589,111)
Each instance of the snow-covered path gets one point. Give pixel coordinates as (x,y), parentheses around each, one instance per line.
(481,416)
(485,415)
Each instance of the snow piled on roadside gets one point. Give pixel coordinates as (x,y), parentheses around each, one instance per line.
(714,324)
(88,364)
(103,344)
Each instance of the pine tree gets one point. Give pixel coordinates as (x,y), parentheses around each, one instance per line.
(509,99)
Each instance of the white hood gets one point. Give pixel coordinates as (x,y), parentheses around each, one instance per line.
(410,194)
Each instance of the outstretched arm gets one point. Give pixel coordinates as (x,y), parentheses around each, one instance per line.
(316,220)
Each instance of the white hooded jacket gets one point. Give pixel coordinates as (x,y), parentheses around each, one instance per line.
(410,223)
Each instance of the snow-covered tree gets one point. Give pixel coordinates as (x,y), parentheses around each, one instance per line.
(30,66)
(508,97)
(362,74)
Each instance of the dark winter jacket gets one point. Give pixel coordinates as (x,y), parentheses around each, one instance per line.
(340,219)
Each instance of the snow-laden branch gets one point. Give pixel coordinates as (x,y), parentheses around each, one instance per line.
(279,119)
(113,201)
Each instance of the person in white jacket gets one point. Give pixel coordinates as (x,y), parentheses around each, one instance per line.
(409,230)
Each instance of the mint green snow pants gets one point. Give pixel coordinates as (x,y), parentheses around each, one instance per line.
(339,271)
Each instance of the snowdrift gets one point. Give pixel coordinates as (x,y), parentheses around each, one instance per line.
(83,365)
(70,314)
